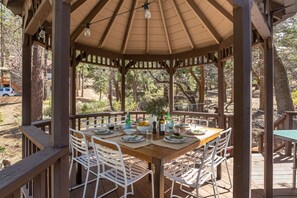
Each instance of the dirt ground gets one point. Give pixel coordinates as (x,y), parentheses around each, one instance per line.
(10,136)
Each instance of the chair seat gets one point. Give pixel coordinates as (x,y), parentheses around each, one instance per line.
(134,172)
(218,160)
(187,175)
(83,159)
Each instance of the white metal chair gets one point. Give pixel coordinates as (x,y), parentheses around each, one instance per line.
(195,176)
(196,121)
(115,169)
(221,154)
(99,122)
(87,159)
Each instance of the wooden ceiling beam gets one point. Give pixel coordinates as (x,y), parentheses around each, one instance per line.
(179,14)
(110,23)
(259,21)
(94,12)
(40,15)
(129,26)
(165,27)
(226,14)
(77,4)
(204,20)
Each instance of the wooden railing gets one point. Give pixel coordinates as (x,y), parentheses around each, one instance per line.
(285,121)
(31,176)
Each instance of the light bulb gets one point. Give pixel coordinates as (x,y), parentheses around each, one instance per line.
(41,33)
(87,31)
(147,14)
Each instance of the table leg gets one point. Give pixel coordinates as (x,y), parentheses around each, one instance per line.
(150,168)
(158,178)
(219,172)
(294,166)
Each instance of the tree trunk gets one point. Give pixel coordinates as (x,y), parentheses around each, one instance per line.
(282,91)
(117,88)
(82,81)
(201,89)
(110,90)
(134,86)
(37,83)
(45,75)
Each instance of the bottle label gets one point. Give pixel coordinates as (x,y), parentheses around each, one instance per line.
(162,127)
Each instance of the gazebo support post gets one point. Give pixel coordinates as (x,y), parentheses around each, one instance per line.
(72,101)
(221,119)
(268,135)
(123,87)
(26,82)
(171,72)
(60,94)
(242,93)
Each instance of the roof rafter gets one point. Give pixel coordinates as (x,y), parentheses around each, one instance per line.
(110,23)
(94,12)
(129,26)
(165,27)
(221,10)
(77,4)
(179,14)
(205,21)
(147,36)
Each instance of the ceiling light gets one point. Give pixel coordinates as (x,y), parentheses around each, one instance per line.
(87,31)
(147,13)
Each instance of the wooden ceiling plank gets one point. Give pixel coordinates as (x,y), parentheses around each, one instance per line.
(42,12)
(165,27)
(179,14)
(77,5)
(94,12)
(110,23)
(204,20)
(147,35)
(221,10)
(129,26)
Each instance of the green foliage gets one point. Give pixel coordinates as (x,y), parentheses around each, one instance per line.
(1,117)
(91,107)
(155,106)
(2,149)
(294,97)
(47,108)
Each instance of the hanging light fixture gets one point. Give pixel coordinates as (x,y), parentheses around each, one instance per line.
(42,33)
(87,31)
(147,13)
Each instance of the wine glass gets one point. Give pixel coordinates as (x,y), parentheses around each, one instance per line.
(176,132)
(111,126)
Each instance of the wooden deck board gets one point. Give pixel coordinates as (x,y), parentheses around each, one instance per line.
(282,182)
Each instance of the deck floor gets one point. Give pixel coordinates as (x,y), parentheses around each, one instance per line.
(282,182)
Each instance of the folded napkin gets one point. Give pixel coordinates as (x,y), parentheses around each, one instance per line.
(132,138)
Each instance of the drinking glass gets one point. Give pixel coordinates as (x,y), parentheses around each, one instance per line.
(111,126)
(176,132)
(149,136)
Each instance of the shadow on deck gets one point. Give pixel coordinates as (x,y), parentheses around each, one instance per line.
(282,182)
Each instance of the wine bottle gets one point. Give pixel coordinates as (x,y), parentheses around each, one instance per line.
(168,122)
(162,125)
(127,121)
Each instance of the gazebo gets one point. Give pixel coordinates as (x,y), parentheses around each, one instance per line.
(142,35)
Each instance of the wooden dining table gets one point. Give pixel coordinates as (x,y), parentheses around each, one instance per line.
(158,156)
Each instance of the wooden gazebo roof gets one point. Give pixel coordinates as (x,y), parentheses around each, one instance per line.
(188,30)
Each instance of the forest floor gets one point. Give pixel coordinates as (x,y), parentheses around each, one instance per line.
(10,136)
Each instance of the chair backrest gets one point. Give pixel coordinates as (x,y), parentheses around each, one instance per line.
(224,141)
(78,142)
(176,119)
(197,121)
(119,120)
(95,123)
(207,159)
(109,157)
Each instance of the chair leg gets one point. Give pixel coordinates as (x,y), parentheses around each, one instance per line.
(96,188)
(172,188)
(215,185)
(70,168)
(153,189)
(228,173)
(86,182)
(125,191)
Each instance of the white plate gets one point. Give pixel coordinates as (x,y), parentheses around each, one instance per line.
(183,125)
(197,131)
(174,140)
(102,131)
(130,131)
(132,138)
